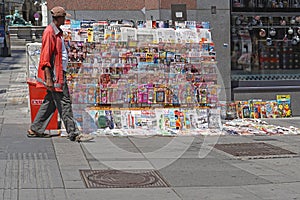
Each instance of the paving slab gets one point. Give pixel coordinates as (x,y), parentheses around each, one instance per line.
(97,165)
(66,148)
(103,148)
(128,165)
(119,194)
(172,147)
(75,184)
(72,160)
(14,139)
(8,193)
(29,171)
(289,168)
(42,194)
(288,191)
(197,172)
(72,173)
(213,193)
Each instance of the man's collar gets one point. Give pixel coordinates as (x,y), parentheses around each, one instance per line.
(55,28)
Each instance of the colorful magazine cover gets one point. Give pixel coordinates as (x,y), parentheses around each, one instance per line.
(255,108)
(271,109)
(99,29)
(284,105)
(214,118)
(199,118)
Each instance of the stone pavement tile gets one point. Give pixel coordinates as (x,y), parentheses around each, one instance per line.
(151,141)
(98,165)
(109,143)
(61,141)
(105,149)
(71,160)
(29,171)
(93,148)
(121,142)
(66,149)
(71,173)
(164,153)
(2,173)
(207,172)
(174,151)
(17,115)
(289,138)
(116,154)
(158,142)
(257,169)
(69,153)
(287,168)
(281,178)
(9,193)
(203,148)
(13,138)
(161,163)
(286,191)
(41,174)
(131,165)
(124,193)
(168,147)
(213,193)
(78,184)
(234,139)
(42,194)
(28,145)
(17,120)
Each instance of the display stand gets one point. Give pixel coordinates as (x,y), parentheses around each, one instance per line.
(164,82)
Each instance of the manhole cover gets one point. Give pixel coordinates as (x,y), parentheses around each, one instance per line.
(253,149)
(122,179)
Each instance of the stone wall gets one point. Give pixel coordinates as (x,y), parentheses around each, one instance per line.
(26,33)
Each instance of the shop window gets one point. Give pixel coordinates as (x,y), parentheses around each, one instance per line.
(264,5)
(264,44)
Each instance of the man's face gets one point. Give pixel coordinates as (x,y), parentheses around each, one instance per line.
(61,20)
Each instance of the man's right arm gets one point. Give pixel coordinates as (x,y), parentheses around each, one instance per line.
(48,78)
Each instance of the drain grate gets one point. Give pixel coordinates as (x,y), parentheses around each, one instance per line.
(123,179)
(253,149)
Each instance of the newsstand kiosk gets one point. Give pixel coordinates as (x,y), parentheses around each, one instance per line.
(36,95)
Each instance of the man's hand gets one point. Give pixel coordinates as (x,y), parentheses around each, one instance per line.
(49,84)
(48,79)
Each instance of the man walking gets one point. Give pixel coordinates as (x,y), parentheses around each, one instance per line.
(52,75)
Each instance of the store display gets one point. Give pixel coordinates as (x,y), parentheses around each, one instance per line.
(32,59)
(155,78)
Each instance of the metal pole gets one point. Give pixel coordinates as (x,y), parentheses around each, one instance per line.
(44,13)
(159,12)
(3,13)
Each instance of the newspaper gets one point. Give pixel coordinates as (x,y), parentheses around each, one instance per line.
(128,34)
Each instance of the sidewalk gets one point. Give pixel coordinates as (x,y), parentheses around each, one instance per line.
(189,167)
